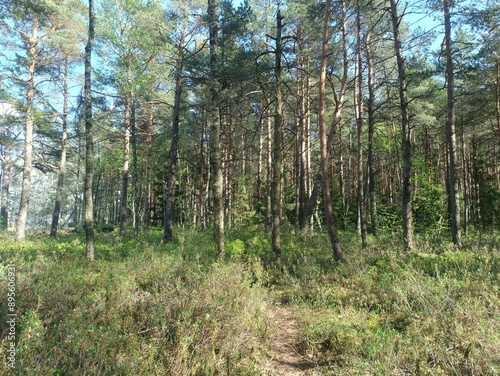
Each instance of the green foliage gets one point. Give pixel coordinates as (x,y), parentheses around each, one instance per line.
(150,308)
(149,314)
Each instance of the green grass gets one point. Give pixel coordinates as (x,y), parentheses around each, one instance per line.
(145,307)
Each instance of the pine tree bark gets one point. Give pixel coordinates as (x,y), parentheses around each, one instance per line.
(450,131)
(126,165)
(325,170)
(174,145)
(89,142)
(216,175)
(359,121)
(276,187)
(406,133)
(22,216)
(6,177)
(62,161)
(147,178)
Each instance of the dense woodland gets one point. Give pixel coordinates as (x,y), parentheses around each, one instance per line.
(213,117)
(336,163)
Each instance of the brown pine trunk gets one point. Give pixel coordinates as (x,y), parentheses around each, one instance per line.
(135,177)
(359,121)
(28,141)
(125,168)
(406,134)
(62,161)
(277,147)
(450,132)
(89,142)
(215,136)
(147,178)
(174,146)
(371,133)
(325,170)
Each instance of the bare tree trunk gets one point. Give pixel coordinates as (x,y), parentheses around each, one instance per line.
(147,179)
(169,203)
(215,133)
(89,147)
(276,187)
(359,120)
(269,173)
(28,141)
(62,161)
(6,170)
(325,171)
(450,131)
(371,133)
(406,134)
(126,162)
(135,177)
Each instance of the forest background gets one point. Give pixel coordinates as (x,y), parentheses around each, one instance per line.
(256,144)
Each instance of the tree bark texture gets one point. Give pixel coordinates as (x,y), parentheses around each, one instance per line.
(89,142)
(406,134)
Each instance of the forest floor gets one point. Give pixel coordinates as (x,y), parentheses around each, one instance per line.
(284,357)
(145,307)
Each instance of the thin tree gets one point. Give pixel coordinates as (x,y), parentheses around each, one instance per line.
(454,203)
(406,133)
(89,142)
(325,170)
(216,175)
(277,146)
(32,51)
(359,120)
(62,161)
(172,173)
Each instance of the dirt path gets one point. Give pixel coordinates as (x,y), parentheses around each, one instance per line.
(284,359)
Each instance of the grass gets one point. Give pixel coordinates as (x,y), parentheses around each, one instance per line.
(144,307)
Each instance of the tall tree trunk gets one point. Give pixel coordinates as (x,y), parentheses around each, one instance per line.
(28,141)
(269,165)
(325,170)
(6,170)
(371,133)
(147,178)
(278,146)
(126,163)
(169,204)
(62,161)
(215,136)
(89,142)
(135,177)
(450,131)
(406,133)
(359,121)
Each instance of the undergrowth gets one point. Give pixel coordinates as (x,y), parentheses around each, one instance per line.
(145,307)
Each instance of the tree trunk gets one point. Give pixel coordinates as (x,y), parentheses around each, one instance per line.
(135,177)
(215,132)
(277,147)
(28,141)
(325,170)
(371,133)
(62,161)
(126,162)
(406,134)
(6,170)
(359,121)
(147,178)
(169,203)
(89,147)
(450,131)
